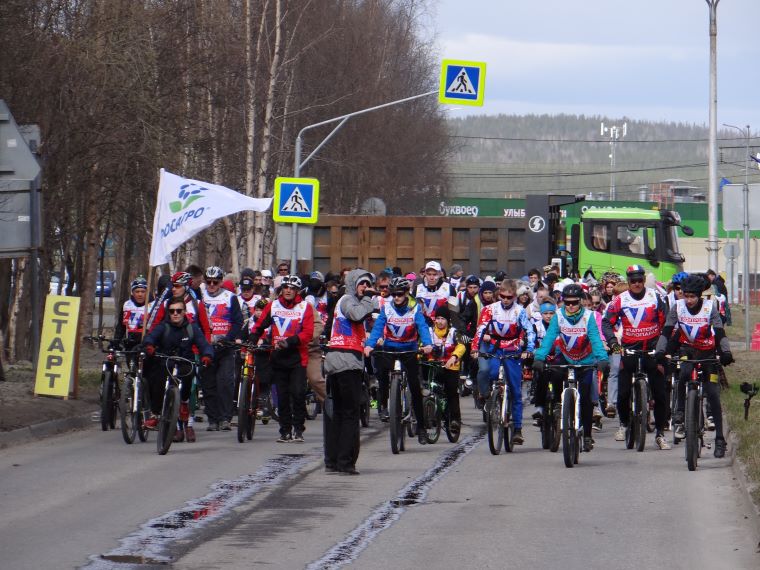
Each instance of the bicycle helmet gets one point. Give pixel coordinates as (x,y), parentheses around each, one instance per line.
(399,284)
(292,281)
(573,291)
(636,271)
(138,283)
(214,272)
(679,277)
(181,278)
(693,284)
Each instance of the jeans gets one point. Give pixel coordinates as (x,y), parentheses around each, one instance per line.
(488,373)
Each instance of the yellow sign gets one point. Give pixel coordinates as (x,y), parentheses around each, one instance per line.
(296,200)
(462,82)
(59,338)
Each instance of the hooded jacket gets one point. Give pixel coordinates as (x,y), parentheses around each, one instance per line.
(349,309)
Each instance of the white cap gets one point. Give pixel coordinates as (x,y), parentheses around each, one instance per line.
(266,273)
(433,265)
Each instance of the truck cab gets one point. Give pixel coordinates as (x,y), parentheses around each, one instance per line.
(611,239)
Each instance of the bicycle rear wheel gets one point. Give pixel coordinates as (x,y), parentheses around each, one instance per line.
(432,419)
(495,430)
(569,433)
(394,413)
(452,435)
(641,407)
(129,417)
(692,427)
(243,409)
(142,431)
(507,422)
(107,419)
(167,423)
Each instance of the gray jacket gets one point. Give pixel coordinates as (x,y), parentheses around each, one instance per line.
(355,309)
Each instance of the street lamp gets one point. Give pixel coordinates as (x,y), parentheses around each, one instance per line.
(745,193)
(712,157)
(615,133)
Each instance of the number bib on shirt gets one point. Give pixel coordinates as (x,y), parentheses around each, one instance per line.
(400,328)
(695,330)
(133,316)
(286,322)
(505,326)
(445,346)
(640,319)
(346,334)
(432,300)
(574,342)
(219,312)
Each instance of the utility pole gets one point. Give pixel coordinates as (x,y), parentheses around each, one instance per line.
(745,265)
(615,134)
(712,155)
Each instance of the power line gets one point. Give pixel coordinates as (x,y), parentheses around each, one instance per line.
(594,141)
(511,175)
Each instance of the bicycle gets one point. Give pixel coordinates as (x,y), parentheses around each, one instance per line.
(638,419)
(498,410)
(571,427)
(551,428)
(110,392)
(134,405)
(248,391)
(167,422)
(435,405)
(694,419)
(399,403)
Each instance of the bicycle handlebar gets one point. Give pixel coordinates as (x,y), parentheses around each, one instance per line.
(396,352)
(637,352)
(576,366)
(515,356)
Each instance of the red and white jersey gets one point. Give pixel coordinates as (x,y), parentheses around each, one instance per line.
(320,306)
(219,310)
(641,320)
(346,334)
(132,316)
(287,322)
(400,328)
(247,306)
(573,338)
(503,325)
(695,330)
(430,301)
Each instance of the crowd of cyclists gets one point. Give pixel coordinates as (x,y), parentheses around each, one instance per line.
(328,331)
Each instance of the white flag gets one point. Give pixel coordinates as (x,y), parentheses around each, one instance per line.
(186,207)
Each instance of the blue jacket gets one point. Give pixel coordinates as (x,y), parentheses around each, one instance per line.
(419,322)
(598,352)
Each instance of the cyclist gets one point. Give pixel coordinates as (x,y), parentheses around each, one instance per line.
(470,304)
(578,342)
(195,310)
(449,349)
(641,312)
(401,326)
(177,336)
(130,327)
(292,327)
(540,379)
(344,365)
(501,329)
(698,335)
(676,293)
(218,380)
(434,292)
(247,300)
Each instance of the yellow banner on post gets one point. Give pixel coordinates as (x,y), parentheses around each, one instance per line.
(57,346)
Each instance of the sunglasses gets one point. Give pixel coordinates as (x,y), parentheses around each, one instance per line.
(506,297)
(212,281)
(399,294)
(676,287)
(382,287)
(636,280)
(572,303)
(290,287)
(176,311)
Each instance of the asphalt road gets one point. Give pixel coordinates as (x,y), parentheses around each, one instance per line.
(87,499)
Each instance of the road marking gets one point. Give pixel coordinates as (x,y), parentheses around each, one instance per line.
(152,542)
(387,513)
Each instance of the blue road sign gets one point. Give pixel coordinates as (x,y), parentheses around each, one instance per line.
(296,200)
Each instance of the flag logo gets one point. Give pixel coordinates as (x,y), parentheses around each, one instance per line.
(189,193)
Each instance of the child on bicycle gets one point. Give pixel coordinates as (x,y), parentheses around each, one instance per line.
(579,342)
(447,348)
(401,326)
(547,309)
(500,333)
(698,335)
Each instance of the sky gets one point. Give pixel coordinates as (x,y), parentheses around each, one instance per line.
(633,59)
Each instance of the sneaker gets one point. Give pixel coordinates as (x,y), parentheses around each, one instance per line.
(285,438)
(348,471)
(225,426)
(597,425)
(298,437)
(151,423)
(212,426)
(421,437)
(331,469)
(190,434)
(720,448)
(680,432)
(610,410)
(517,439)
(597,412)
(661,442)
(468,384)
(709,423)
(588,444)
(620,434)
(179,436)
(537,415)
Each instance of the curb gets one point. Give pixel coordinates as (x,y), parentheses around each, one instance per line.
(36,432)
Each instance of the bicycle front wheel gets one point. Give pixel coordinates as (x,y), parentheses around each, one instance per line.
(569,433)
(167,423)
(507,423)
(641,407)
(243,408)
(432,419)
(144,408)
(394,413)
(493,417)
(129,417)
(107,419)
(692,429)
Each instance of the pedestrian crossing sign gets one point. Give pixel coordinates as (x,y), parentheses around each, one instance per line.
(462,82)
(296,200)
